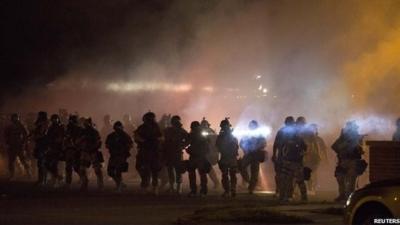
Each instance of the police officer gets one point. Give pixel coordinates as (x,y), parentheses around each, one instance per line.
(292,168)
(30,126)
(90,155)
(316,153)
(212,156)
(198,150)
(147,136)
(41,146)
(119,144)
(311,155)
(72,152)
(396,135)
(278,150)
(55,137)
(253,146)
(349,151)
(175,140)
(228,147)
(163,176)
(16,140)
(129,128)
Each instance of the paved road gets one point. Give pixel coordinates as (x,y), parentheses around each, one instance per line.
(22,203)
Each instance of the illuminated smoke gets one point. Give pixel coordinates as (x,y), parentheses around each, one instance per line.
(330,61)
(147,86)
(262,131)
(374,125)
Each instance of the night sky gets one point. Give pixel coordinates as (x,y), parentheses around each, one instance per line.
(42,39)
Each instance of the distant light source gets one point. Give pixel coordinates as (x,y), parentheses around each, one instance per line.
(265,90)
(258,77)
(260,87)
(208,89)
(147,86)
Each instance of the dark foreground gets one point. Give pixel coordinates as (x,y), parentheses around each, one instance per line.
(22,203)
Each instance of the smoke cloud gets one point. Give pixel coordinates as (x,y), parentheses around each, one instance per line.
(330,61)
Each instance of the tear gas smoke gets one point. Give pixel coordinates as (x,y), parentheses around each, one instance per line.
(267,64)
(330,61)
(262,131)
(144,86)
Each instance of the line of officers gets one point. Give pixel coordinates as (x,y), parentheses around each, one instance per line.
(79,145)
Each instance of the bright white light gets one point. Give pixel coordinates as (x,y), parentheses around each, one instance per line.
(147,86)
(204,133)
(349,199)
(262,131)
(265,90)
(258,77)
(260,87)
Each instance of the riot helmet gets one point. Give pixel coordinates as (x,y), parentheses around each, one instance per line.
(118,126)
(176,121)
(149,117)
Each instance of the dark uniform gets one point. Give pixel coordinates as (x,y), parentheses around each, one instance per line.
(147,137)
(55,137)
(252,147)
(349,151)
(16,140)
(71,143)
(90,155)
(119,144)
(228,148)
(277,152)
(198,150)
(41,146)
(292,170)
(30,125)
(175,141)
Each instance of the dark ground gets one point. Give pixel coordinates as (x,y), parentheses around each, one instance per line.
(23,203)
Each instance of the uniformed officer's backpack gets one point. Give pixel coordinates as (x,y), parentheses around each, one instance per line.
(361,166)
(261,155)
(293,149)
